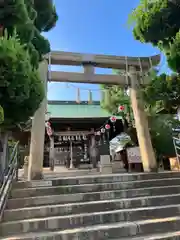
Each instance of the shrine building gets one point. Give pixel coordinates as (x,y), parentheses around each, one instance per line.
(74,126)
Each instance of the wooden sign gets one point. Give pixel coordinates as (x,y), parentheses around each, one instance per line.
(134,155)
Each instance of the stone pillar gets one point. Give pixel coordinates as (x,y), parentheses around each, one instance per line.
(51,153)
(105,165)
(36,155)
(93,152)
(141,123)
(25,167)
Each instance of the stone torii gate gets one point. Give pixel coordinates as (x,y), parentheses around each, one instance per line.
(133,66)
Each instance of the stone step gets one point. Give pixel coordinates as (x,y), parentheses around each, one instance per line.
(50,236)
(161,236)
(41,191)
(91,196)
(100,232)
(77,180)
(90,207)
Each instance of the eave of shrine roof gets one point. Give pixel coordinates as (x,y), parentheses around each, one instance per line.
(70,109)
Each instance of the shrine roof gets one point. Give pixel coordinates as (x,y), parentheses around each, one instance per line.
(71,109)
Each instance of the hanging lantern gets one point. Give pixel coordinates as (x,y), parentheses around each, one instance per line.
(48,128)
(49,131)
(121,108)
(98,133)
(90,97)
(103,130)
(107,126)
(113,119)
(47,124)
(78,100)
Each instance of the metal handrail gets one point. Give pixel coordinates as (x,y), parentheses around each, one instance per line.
(12,174)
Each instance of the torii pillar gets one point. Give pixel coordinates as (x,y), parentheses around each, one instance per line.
(36,156)
(141,122)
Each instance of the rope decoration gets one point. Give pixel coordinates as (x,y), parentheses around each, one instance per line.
(90,97)
(78,100)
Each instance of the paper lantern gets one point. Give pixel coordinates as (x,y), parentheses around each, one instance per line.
(107,126)
(121,108)
(113,119)
(47,124)
(103,130)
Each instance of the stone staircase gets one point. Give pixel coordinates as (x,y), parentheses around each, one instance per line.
(100,207)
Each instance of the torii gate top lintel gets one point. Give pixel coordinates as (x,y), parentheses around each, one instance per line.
(102,61)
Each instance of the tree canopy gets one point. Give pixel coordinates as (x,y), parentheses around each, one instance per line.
(162,94)
(158,22)
(21,49)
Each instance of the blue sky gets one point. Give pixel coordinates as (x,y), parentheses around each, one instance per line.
(93,26)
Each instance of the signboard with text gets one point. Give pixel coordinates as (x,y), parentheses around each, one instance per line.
(134,155)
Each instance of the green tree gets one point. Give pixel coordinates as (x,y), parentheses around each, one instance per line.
(115,96)
(157,22)
(16,75)
(160,96)
(161,134)
(21,49)
(30,18)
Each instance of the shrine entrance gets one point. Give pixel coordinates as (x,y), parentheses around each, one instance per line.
(71,150)
(134,74)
